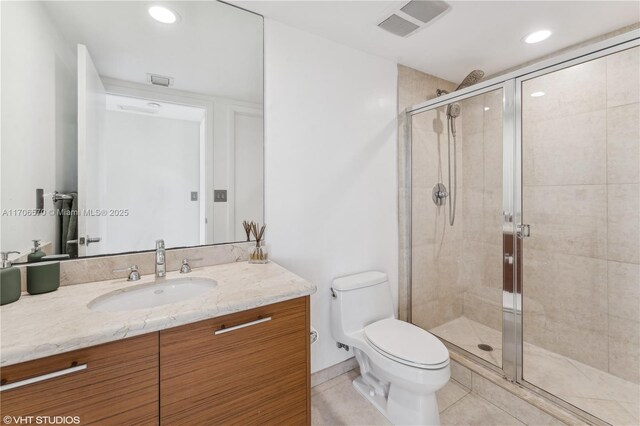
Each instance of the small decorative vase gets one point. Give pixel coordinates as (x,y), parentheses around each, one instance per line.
(258,253)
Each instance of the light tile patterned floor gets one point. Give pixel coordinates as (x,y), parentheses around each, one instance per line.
(336,402)
(604,395)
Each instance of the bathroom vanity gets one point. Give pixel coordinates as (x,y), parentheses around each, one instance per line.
(237,354)
(222,344)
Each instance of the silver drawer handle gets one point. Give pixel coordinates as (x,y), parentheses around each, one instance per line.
(43,377)
(246,324)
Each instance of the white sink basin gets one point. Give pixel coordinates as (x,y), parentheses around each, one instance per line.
(152,294)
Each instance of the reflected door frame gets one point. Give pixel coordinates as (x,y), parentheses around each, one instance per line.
(234,218)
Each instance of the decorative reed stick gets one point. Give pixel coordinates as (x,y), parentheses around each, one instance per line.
(247,228)
(259,253)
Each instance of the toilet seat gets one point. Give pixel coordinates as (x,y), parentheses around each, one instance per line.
(407,344)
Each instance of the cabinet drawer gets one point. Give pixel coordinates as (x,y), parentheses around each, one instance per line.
(115,383)
(250,367)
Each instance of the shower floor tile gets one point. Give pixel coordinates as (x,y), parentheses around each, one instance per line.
(468,334)
(604,395)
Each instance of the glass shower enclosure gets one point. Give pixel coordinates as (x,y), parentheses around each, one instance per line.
(525,227)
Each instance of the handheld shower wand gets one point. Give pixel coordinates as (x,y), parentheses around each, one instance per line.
(453,111)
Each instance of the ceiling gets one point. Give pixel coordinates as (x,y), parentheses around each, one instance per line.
(473,34)
(213,49)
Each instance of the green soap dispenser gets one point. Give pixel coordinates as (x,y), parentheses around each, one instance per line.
(9,280)
(36,254)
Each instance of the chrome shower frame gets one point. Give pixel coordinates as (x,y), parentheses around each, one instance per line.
(511,85)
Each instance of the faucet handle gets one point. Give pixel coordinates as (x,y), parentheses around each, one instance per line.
(186,268)
(134,274)
(159,244)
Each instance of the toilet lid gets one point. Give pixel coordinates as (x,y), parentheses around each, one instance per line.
(407,343)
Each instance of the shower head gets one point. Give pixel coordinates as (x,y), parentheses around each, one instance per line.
(453,110)
(472,78)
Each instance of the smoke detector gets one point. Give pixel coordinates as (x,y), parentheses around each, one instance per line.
(413,16)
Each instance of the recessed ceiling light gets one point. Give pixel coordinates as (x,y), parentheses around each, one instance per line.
(153,104)
(487,108)
(163,14)
(537,94)
(537,36)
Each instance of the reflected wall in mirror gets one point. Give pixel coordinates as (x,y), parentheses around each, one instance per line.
(135,122)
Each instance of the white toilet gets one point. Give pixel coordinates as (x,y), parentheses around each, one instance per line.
(401,365)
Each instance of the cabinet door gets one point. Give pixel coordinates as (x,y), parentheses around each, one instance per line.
(250,367)
(111,384)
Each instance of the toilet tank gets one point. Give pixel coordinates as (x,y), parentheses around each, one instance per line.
(357,301)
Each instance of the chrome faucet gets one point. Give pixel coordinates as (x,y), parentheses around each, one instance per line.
(161,266)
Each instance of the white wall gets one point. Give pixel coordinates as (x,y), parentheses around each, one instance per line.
(150,166)
(39,116)
(330,166)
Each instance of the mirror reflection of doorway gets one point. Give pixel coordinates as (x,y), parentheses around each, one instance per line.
(155,184)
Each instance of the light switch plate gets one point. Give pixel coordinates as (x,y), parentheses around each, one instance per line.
(194,196)
(219,195)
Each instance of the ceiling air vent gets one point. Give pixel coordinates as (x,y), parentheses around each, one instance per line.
(159,80)
(413,16)
(398,26)
(425,11)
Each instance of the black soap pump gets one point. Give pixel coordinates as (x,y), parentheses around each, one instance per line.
(36,254)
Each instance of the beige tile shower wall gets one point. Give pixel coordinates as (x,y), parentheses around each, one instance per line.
(437,296)
(455,270)
(581,195)
(436,266)
(481,218)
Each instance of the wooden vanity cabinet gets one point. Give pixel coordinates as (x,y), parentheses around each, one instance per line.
(250,367)
(110,384)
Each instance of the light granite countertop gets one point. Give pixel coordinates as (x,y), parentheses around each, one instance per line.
(52,323)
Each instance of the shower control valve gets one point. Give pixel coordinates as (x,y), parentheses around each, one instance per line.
(439,194)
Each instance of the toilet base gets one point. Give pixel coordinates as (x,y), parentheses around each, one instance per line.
(378,401)
(422,410)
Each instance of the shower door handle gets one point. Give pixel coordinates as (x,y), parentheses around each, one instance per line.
(524,230)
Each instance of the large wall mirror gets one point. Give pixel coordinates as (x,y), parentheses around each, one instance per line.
(123,124)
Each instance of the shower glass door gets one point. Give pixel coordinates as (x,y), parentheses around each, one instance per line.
(580,130)
(538,273)
(457,269)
